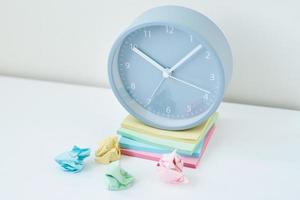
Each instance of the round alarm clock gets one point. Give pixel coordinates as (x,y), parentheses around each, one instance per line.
(170,68)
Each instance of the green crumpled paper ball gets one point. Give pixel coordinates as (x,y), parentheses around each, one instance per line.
(117,178)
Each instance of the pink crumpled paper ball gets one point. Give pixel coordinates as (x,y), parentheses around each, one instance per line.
(170,168)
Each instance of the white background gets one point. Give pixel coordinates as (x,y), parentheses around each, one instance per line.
(69,40)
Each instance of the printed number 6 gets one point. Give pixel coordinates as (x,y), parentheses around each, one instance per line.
(168,110)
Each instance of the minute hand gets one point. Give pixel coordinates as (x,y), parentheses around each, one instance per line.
(147,58)
(189,84)
(190,54)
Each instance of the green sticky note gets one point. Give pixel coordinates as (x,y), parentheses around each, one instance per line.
(117,178)
(181,147)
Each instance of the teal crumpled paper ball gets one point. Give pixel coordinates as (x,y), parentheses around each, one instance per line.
(72,161)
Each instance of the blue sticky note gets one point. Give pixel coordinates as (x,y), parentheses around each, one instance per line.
(72,161)
(128,143)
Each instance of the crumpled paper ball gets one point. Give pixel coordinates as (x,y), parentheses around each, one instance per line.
(170,169)
(72,161)
(117,178)
(108,150)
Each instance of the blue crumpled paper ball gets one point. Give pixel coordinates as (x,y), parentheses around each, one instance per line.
(72,161)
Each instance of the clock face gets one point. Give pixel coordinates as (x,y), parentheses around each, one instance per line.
(169,72)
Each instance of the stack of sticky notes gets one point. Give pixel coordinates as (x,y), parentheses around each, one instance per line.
(140,140)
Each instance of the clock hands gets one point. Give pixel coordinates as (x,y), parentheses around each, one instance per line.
(186,57)
(149,59)
(167,73)
(155,64)
(177,79)
(155,90)
(189,84)
(180,62)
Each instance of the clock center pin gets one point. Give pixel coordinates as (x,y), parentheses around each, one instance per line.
(166,73)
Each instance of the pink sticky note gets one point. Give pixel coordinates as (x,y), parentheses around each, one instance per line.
(191,162)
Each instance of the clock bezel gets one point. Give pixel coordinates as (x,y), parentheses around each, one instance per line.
(160,121)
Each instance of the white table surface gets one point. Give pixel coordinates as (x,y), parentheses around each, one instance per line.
(255,153)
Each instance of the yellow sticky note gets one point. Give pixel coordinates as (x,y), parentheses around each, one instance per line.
(108,150)
(191,135)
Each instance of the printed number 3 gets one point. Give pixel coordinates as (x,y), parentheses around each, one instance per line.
(132,85)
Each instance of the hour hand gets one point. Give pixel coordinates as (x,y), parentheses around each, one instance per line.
(149,59)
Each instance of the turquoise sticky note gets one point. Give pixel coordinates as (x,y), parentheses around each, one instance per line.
(182,147)
(127,143)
